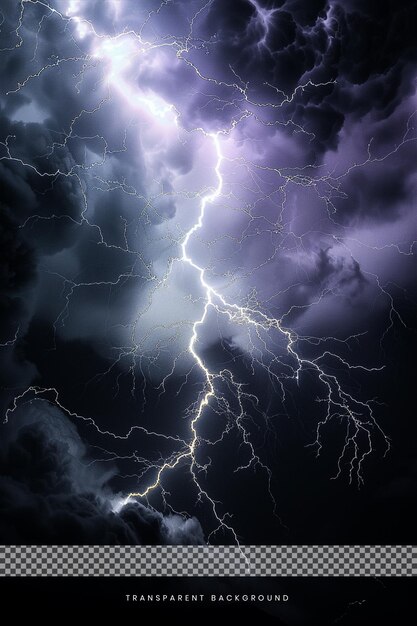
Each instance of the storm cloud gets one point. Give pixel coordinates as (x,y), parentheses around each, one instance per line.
(51,492)
(108,113)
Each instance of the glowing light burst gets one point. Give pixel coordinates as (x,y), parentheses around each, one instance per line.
(73,12)
(118,54)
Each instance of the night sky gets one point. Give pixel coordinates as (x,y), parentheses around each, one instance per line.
(259,365)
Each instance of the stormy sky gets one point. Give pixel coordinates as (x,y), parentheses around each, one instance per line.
(292,124)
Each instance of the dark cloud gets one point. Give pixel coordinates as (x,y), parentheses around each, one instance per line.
(374,197)
(365,49)
(50,493)
(329,276)
(17,258)
(337,271)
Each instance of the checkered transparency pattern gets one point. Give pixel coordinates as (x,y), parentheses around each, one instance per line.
(208,560)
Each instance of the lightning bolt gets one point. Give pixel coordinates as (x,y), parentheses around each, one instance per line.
(117,54)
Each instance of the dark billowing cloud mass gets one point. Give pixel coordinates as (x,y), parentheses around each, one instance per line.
(50,492)
(107,116)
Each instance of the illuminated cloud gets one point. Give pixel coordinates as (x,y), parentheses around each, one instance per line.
(208,209)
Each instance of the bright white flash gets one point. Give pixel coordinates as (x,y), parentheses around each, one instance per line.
(120,54)
(72,11)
